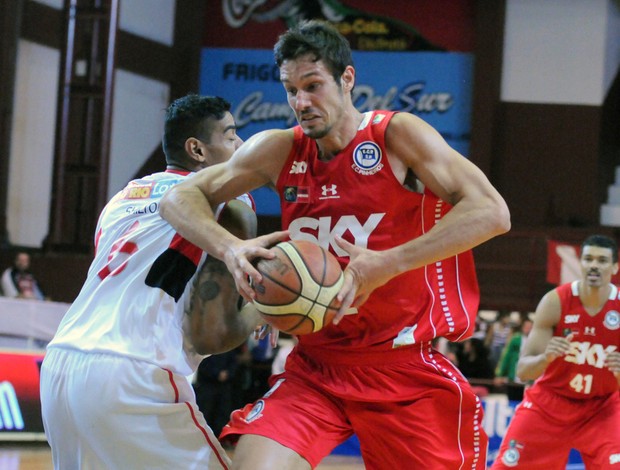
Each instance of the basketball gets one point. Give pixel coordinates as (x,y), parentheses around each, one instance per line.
(299,286)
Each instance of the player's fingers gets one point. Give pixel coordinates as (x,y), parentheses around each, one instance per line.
(345,245)
(345,298)
(243,285)
(271,239)
(273,338)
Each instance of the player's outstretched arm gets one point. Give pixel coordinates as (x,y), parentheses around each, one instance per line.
(188,206)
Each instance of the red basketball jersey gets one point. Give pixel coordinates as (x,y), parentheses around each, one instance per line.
(582,373)
(357,196)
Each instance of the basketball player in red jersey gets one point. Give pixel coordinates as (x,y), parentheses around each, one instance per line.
(573,354)
(401,209)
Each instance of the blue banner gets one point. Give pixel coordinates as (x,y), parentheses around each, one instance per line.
(436,86)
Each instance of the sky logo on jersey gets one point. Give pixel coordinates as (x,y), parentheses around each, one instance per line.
(138,191)
(367,158)
(612,320)
(571,319)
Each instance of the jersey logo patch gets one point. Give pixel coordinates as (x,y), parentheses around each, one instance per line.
(256,412)
(298,194)
(571,319)
(329,192)
(367,158)
(612,320)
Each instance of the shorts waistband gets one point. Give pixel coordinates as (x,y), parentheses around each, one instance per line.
(369,356)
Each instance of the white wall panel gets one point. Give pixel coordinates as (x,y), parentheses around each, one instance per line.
(152,19)
(32,143)
(554,51)
(137,125)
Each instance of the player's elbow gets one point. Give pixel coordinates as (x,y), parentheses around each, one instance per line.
(212,344)
(500,216)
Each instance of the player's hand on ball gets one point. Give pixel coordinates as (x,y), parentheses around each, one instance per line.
(367,270)
(238,259)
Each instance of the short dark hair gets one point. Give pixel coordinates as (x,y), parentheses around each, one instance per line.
(185,118)
(318,38)
(602,241)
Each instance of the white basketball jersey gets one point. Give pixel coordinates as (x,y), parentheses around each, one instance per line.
(134,300)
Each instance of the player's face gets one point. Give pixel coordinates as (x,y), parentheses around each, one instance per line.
(224,140)
(597,266)
(313,94)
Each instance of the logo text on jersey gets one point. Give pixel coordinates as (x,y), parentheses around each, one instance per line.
(324,230)
(298,168)
(367,158)
(587,353)
(571,319)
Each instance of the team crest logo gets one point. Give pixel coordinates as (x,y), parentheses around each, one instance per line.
(511,457)
(367,158)
(612,320)
(256,411)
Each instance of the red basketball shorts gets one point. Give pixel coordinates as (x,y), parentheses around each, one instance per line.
(408,406)
(546,426)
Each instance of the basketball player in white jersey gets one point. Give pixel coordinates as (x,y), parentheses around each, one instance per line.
(347,180)
(114,387)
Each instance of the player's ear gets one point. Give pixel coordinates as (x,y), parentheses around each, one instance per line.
(196,149)
(347,80)
(614,269)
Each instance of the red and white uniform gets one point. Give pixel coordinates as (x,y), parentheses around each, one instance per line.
(114,385)
(382,353)
(576,402)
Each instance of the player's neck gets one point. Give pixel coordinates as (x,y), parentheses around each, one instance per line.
(593,297)
(333,143)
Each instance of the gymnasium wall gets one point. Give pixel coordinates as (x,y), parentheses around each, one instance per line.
(543,98)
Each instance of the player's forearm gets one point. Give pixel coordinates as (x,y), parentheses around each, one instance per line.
(532,367)
(189,212)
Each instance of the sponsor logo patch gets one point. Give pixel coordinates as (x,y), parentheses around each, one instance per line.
(367,158)
(296,194)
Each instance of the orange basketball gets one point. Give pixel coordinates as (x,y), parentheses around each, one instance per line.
(299,286)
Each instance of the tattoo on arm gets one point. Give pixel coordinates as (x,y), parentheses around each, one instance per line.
(209,282)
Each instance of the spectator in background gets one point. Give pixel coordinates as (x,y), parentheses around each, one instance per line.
(473,359)
(506,371)
(507,367)
(19,282)
(497,337)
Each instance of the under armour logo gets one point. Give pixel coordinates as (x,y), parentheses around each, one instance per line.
(589,330)
(329,191)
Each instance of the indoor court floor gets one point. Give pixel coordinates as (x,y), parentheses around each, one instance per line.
(37,456)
